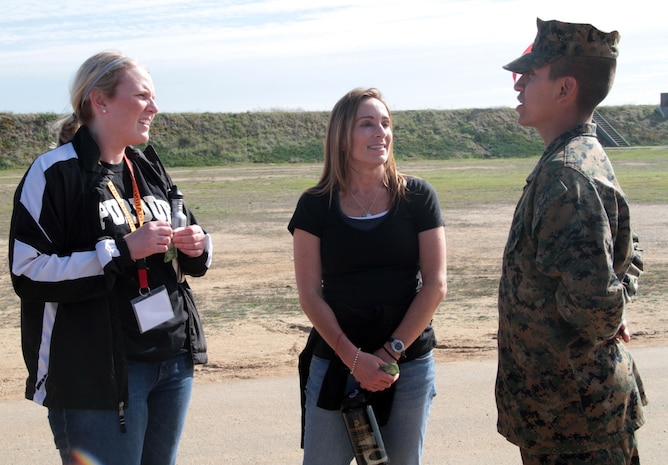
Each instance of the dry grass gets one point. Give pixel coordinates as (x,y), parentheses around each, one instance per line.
(248,300)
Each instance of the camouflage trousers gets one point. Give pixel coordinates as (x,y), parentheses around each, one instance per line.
(623,453)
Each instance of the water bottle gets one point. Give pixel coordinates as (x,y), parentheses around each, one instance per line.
(363,429)
(179,219)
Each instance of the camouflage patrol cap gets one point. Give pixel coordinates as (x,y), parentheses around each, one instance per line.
(556,39)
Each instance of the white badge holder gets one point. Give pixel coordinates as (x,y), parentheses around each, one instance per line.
(152,309)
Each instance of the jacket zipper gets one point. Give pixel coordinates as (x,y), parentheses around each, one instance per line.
(121,416)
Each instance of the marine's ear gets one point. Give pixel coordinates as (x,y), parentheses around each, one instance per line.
(569,88)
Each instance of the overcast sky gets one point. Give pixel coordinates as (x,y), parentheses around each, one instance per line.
(237,56)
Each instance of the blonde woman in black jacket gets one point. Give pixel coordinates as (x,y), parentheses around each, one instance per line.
(110,331)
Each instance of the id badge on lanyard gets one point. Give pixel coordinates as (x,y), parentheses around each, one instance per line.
(152,307)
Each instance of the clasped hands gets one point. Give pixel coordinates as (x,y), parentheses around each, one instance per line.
(624,334)
(370,374)
(156,236)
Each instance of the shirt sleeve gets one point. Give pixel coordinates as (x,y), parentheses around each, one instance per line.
(309,214)
(43,268)
(423,202)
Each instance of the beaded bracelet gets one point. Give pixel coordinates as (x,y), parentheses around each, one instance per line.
(357,354)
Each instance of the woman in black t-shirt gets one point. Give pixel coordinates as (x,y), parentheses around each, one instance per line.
(370,266)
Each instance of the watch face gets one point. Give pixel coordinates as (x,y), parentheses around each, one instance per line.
(397,345)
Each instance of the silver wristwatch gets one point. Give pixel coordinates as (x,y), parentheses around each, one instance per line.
(397,345)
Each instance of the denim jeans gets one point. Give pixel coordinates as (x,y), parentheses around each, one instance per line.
(326,441)
(159,394)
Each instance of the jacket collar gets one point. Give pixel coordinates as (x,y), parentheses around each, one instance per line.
(87,149)
(89,152)
(583,129)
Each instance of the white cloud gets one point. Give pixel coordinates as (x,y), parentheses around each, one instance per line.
(240,55)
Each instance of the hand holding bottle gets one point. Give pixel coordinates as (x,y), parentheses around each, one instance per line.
(190,240)
(153,237)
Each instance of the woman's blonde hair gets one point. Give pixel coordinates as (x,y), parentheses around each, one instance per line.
(339,136)
(102,71)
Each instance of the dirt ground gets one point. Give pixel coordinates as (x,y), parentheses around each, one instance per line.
(267,343)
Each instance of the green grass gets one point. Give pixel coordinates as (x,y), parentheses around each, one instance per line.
(464,182)
(256,192)
(253,189)
(256,201)
(642,172)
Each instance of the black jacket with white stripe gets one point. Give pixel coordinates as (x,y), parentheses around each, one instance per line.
(73,273)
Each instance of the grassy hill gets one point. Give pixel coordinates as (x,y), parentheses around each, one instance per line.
(215,139)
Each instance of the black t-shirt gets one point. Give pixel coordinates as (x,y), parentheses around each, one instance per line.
(370,277)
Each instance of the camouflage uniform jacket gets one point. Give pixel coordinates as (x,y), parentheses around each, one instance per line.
(565,383)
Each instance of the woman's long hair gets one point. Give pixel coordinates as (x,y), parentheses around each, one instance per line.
(339,135)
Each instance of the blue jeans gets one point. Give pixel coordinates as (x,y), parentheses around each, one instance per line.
(326,441)
(159,394)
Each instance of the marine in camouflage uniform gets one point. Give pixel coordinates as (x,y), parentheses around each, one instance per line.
(566,384)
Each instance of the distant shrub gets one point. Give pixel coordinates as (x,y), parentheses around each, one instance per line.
(213,139)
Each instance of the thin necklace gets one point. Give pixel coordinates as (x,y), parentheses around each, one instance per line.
(367,212)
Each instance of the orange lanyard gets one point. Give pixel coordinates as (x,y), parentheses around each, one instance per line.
(135,195)
(141,264)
